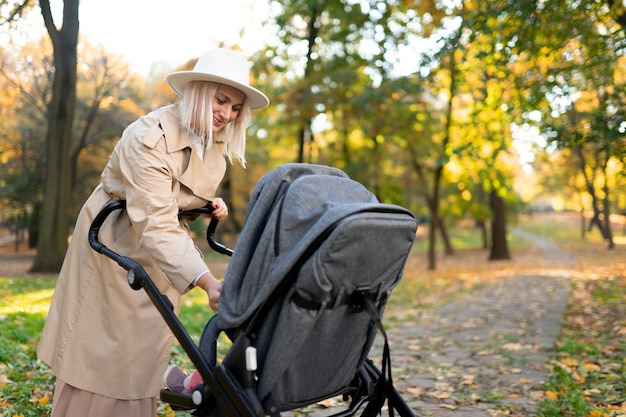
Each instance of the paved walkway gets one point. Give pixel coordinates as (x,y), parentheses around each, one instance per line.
(484,354)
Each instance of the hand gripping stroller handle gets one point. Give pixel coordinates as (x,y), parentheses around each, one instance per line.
(138,278)
(210,231)
(120,205)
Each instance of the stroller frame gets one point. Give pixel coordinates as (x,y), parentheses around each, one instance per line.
(226,394)
(226,387)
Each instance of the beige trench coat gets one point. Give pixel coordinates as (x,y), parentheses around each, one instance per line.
(100,335)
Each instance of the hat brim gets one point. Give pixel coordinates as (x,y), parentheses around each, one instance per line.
(178,81)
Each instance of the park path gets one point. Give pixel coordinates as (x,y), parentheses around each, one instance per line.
(485,353)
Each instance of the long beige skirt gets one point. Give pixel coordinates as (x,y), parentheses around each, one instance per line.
(69,401)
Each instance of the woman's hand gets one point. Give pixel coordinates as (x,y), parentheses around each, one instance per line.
(220,211)
(213,288)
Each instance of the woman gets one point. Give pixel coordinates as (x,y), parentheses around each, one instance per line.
(107,344)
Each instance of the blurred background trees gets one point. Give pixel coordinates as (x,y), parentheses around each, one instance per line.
(456,110)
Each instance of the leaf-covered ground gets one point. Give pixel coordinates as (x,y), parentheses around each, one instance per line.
(587,373)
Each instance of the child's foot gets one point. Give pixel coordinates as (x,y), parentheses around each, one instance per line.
(174,378)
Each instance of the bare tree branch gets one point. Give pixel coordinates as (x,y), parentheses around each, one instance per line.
(18,10)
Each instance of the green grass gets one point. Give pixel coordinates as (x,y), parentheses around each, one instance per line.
(26,384)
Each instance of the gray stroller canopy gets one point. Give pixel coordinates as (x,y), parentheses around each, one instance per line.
(288,210)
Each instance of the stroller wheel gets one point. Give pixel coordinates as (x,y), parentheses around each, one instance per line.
(196,397)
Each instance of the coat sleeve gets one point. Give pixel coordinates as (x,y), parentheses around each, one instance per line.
(149,173)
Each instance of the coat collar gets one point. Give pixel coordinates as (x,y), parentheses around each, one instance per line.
(210,169)
(176,138)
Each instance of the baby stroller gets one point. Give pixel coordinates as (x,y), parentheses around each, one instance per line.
(302,299)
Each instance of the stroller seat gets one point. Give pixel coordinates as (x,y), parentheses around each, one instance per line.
(302,300)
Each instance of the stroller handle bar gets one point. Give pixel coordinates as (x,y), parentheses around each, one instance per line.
(121,204)
(138,278)
(210,231)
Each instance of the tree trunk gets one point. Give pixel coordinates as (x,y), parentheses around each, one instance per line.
(432,238)
(33,226)
(482,226)
(305,134)
(54,222)
(438,172)
(16,243)
(433,204)
(597,220)
(301,141)
(448,250)
(606,212)
(589,184)
(499,245)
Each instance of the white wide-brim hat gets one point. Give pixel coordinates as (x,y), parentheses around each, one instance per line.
(221,66)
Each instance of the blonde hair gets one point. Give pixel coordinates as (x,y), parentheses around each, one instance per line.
(196,113)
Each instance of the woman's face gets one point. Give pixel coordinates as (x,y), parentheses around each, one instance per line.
(227,103)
